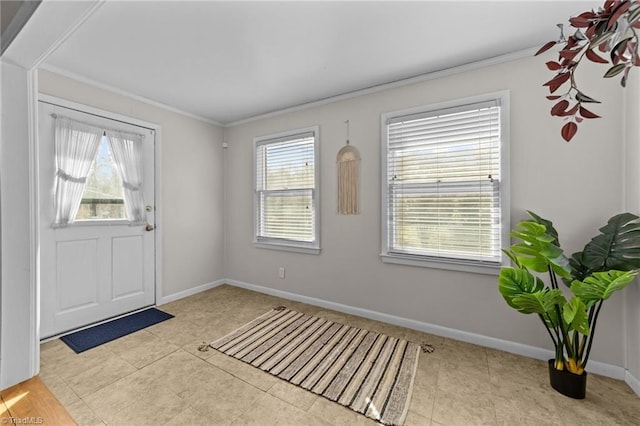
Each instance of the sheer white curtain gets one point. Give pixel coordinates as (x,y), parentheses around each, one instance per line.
(76,145)
(127,154)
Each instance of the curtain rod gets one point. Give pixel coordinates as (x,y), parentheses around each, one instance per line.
(104,128)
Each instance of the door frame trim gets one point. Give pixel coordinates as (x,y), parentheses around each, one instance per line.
(35,199)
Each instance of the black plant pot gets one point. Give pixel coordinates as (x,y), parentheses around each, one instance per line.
(567,383)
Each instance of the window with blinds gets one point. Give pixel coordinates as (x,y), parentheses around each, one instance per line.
(286,189)
(443,184)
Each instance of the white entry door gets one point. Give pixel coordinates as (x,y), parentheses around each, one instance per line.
(99,266)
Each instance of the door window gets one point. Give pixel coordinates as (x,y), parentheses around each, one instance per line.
(103,196)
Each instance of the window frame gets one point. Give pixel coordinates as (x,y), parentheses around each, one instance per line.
(312,247)
(465,265)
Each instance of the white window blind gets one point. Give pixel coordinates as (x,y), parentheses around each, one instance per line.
(286,190)
(443,184)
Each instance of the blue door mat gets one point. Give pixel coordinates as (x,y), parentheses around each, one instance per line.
(88,338)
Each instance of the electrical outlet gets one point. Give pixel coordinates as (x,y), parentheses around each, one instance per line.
(281,272)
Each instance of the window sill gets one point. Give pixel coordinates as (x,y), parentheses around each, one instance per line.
(287,247)
(452,265)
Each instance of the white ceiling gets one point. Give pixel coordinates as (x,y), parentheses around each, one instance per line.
(229,61)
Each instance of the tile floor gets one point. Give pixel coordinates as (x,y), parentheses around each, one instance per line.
(158,377)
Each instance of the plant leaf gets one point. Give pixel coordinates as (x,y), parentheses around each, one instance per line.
(569,130)
(553,66)
(514,282)
(553,97)
(601,285)
(614,70)
(574,313)
(580,22)
(548,225)
(594,57)
(587,114)
(572,111)
(617,13)
(546,47)
(581,97)
(560,107)
(568,54)
(540,302)
(600,38)
(619,49)
(557,81)
(537,250)
(616,247)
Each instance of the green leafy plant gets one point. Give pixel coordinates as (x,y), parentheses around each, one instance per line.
(609,30)
(607,264)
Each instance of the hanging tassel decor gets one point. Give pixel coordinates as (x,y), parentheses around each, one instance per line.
(348,165)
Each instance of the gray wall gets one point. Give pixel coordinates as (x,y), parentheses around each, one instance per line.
(577,185)
(632,198)
(191,183)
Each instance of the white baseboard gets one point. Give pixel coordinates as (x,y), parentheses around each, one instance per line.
(189,292)
(633,382)
(595,367)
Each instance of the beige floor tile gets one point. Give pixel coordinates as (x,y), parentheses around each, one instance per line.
(72,364)
(59,387)
(141,348)
(110,401)
(452,409)
(177,331)
(243,371)
(338,415)
(463,396)
(527,405)
(191,417)
(83,415)
(99,376)
(269,410)
(458,385)
(588,412)
(415,419)
(515,368)
(155,407)
(193,348)
(454,352)
(294,395)
(424,386)
(181,371)
(54,352)
(600,389)
(221,398)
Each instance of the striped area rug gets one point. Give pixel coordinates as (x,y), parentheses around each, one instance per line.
(370,373)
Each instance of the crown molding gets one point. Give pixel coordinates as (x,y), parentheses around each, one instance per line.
(520,54)
(109,88)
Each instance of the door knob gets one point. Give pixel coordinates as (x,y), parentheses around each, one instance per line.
(150,227)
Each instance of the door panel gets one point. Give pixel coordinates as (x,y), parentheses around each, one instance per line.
(94,269)
(76,274)
(128,262)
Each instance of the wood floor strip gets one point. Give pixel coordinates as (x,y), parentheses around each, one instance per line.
(31,402)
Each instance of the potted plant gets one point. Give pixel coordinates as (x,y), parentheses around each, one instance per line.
(607,264)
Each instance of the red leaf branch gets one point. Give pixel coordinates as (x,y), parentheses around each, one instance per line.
(610,30)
